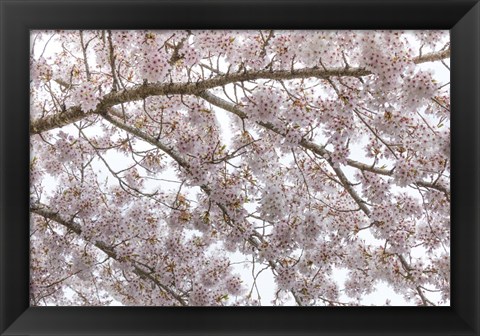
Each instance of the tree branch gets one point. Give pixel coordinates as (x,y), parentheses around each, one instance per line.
(143,91)
(432,57)
(58,120)
(320,150)
(42,210)
(255,240)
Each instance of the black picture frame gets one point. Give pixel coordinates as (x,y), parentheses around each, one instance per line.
(17,17)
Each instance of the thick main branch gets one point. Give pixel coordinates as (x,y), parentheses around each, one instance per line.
(193,88)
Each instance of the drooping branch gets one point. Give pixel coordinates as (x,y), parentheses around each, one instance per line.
(214,100)
(317,149)
(180,161)
(255,240)
(145,137)
(42,210)
(175,156)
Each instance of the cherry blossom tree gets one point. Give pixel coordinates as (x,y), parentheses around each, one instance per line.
(177,167)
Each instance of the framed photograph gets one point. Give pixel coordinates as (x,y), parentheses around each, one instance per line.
(239,168)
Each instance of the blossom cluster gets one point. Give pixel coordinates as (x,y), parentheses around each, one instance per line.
(86,96)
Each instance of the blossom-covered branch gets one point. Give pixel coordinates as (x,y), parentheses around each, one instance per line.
(143,91)
(42,210)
